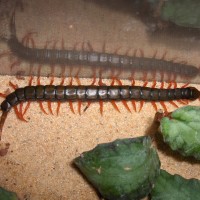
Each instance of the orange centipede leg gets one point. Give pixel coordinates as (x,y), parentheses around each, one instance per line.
(154,106)
(30,81)
(87,106)
(101,107)
(152,102)
(100,82)
(112,82)
(28,103)
(115,105)
(175,84)
(26,108)
(79,107)
(142,102)
(112,101)
(70,102)
(42,108)
(94,80)
(58,108)
(40,103)
(173,103)
(20,111)
(71,107)
(185,85)
(19,115)
(170,85)
(134,105)
(183,102)
(133,101)
(49,107)
(141,105)
(126,105)
(78,81)
(3,95)
(79,102)
(154,84)
(123,101)
(164,106)
(89,102)
(14,86)
(162,85)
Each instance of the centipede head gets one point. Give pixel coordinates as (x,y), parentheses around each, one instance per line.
(195,93)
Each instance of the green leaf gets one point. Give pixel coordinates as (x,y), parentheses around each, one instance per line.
(184,13)
(124,169)
(7,195)
(175,187)
(181,130)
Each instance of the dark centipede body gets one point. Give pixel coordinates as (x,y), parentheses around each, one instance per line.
(87,58)
(90,93)
(97,59)
(95,93)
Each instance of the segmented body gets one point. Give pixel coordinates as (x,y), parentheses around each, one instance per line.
(95,93)
(98,59)
(103,60)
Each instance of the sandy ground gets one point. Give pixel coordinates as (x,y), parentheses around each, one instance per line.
(39,162)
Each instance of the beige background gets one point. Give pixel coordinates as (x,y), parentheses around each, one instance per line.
(38,164)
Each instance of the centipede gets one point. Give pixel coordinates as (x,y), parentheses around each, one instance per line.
(101,60)
(93,93)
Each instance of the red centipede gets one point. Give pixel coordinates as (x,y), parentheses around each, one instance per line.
(93,93)
(101,60)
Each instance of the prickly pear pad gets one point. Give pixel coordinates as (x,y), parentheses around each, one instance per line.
(174,187)
(181,130)
(123,169)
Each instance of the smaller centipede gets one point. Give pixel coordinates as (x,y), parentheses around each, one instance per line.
(92,93)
